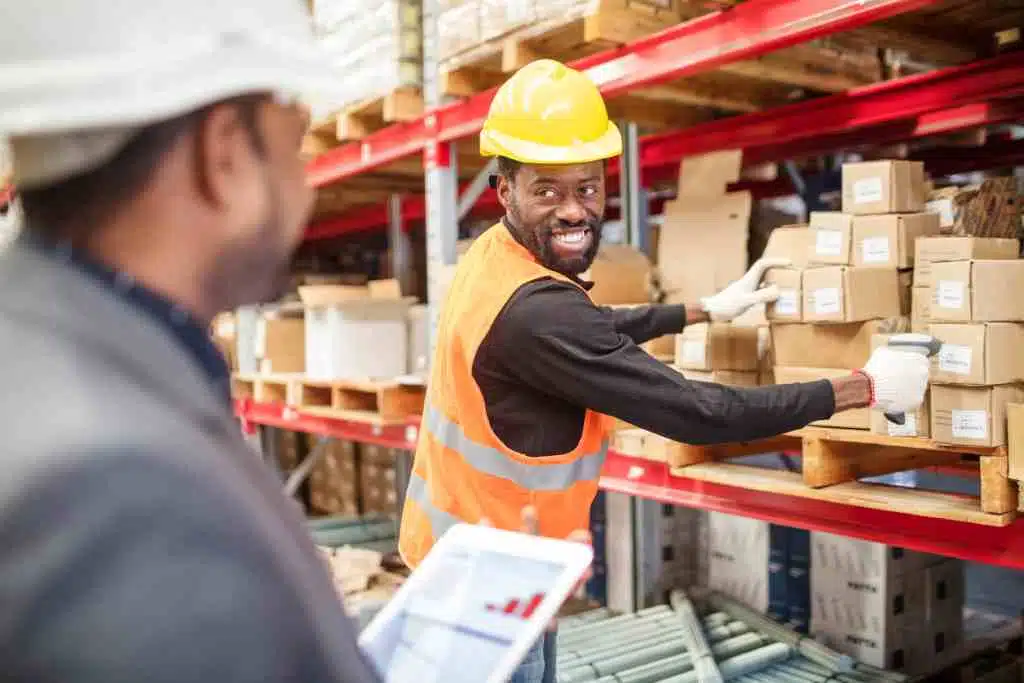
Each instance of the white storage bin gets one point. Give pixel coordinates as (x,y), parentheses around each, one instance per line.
(358,339)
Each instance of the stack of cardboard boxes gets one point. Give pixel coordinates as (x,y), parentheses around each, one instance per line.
(724,353)
(850,276)
(973,308)
(883,605)
(353,479)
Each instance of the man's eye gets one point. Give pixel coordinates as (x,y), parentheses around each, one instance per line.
(546,193)
(588,191)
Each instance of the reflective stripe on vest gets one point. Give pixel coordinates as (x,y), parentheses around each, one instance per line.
(440,521)
(488,460)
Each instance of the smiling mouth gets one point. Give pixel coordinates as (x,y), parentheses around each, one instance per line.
(571,239)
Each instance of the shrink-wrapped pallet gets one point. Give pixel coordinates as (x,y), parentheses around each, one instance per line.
(374,46)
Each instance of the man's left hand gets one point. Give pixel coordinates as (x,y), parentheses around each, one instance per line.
(739,296)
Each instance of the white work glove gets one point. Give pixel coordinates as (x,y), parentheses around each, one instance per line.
(898,379)
(735,299)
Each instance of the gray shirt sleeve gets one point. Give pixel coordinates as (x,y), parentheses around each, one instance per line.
(127,568)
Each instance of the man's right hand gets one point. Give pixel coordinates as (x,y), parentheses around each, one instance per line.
(898,379)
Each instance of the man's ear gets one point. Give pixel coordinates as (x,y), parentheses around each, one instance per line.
(504,188)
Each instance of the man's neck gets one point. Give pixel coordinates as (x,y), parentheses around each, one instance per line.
(168,272)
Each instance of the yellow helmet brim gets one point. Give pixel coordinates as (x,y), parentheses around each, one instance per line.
(495,143)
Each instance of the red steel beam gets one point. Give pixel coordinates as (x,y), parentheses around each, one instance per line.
(1002,546)
(841,121)
(742,32)
(860,108)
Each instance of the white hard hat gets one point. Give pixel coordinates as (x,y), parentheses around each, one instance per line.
(101,68)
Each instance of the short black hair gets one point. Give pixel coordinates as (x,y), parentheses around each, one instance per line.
(508,168)
(74,207)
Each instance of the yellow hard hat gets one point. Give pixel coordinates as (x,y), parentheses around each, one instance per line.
(548,113)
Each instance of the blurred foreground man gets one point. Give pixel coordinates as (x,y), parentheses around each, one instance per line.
(156,154)
(528,370)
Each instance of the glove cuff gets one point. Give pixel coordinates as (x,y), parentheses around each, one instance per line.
(871,386)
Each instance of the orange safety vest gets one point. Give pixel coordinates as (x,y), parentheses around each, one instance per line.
(462,472)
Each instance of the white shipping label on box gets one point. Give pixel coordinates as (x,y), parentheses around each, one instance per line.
(955,358)
(828,243)
(867,190)
(970,424)
(908,428)
(950,294)
(788,302)
(826,300)
(694,352)
(875,250)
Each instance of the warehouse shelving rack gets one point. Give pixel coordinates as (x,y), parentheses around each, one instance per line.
(649,480)
(943,101)
(981,93)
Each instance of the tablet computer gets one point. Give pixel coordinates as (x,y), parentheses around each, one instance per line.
(474,607)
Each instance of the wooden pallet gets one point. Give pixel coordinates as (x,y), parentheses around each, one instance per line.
(379,402)
(275,388)
(740,87)
(358,120)
(839,457)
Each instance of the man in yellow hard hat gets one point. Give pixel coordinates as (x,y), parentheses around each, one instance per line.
(527,370)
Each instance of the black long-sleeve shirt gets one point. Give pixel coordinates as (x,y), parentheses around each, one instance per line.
(551,354)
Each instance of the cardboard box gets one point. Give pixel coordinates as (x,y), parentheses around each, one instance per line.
(978,291)
(732,378)
(663,348)
(917,423)
(280,345)
(850,557)
(621,275)
(845,346)
(929,250)
(974,416)
(790,241)
(789,306)
(890,651)
(703,245)
(738,553)
(978,353)
(920,305)
(946,591)
(848,294)
(709,174)
(887,241)
(858,418)
(872,187)
(717,346)
(831,238)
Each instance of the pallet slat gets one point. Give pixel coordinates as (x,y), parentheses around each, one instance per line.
(856,494)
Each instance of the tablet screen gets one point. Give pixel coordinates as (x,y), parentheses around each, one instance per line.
(465,616)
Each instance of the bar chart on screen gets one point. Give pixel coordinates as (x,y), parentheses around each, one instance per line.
(522,609)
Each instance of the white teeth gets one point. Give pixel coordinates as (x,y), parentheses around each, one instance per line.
(574,237)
